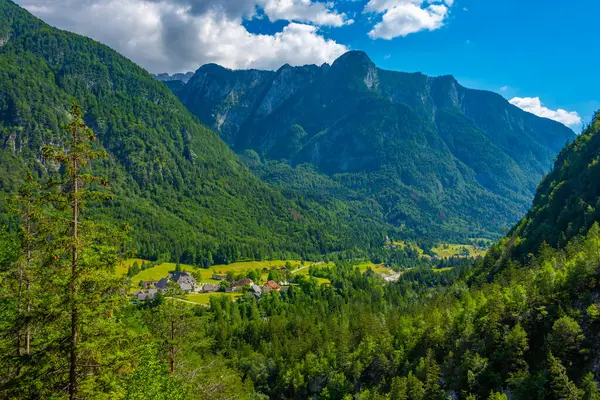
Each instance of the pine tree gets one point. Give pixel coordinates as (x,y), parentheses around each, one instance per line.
(83,255)
(22,284)
(173,325)
(433,373)
(562,386)
(414,387)
(398,390)
(590,388)
(28,202)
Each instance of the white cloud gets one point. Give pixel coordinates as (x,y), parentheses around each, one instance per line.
(504,89)
(303,11)
(535,106)
(381,6)
(181,35)
(403,17)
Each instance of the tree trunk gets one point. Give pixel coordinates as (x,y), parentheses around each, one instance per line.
(19,309)
(172,349)
(24,281)
(27,282)
(72,286)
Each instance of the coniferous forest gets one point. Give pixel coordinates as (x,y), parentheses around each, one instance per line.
(106,177)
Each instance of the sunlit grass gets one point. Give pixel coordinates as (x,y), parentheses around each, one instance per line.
(452,250)
(204,298)
(377,268)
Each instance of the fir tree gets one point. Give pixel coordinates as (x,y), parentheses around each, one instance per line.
(83,255)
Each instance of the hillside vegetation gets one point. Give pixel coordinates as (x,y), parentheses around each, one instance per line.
(182,191)
(521,323)
(434,159)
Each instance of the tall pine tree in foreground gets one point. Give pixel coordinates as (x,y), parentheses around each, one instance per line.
(72,307)
(84,258)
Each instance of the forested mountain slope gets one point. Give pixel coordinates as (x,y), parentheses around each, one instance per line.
(529,330)
(567,202)
(437,158)
(185,194)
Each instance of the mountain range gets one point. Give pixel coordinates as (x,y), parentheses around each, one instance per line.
(183,77)
(335,157)
(434,158)
(184,192)
(330,159)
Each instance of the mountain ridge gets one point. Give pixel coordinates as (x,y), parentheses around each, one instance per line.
(184,192)
(421,137)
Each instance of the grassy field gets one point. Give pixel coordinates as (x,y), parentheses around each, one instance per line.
(244,266)
(162,270)
(402,244)
(362,267)
(306,271)
(158,272)
(204,298)
(377,268)
(450,250)
(124,266)
(203,275)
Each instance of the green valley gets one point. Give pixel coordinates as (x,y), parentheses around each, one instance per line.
(438,161)
(332,232)
(184,193)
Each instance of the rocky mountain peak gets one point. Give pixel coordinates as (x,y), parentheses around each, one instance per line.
(353,57)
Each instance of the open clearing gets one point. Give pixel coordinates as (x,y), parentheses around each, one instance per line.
(205,275)
(204,298)
(377,268)
(239,267)
(362,267)
(124,266)
(306,271)
(158,272)
(446,250)
(402,244)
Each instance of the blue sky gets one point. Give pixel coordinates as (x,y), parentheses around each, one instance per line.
(541,55)
(531,48)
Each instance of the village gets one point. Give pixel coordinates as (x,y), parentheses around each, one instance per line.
(184,283)
(196,285)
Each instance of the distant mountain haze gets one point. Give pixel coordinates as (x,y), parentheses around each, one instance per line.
(438,158)
(183,77)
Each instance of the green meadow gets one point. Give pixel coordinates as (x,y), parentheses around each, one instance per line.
(204,298)
(377,268)
(446,250)
(203,275)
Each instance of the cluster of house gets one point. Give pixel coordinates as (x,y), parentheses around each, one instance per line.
(269,286)
(187,284)
(184,280)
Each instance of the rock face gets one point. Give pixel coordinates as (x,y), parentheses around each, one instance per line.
(175,77)
(426,149)
(226,100)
